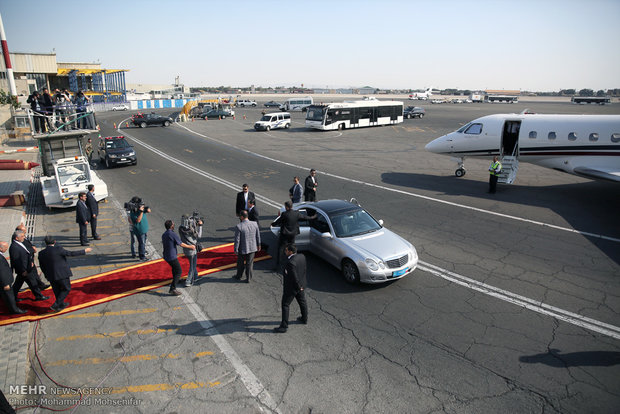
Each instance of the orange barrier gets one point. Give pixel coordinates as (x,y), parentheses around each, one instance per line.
(12,200)
(6,161)
(17,165)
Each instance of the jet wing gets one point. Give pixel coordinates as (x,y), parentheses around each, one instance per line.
(598,174)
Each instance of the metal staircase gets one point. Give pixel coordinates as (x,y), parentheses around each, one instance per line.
(510,166)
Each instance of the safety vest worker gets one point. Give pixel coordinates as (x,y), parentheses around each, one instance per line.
(494,169)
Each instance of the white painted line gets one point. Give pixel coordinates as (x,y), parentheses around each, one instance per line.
(566,316)
(251,382)
(408,193)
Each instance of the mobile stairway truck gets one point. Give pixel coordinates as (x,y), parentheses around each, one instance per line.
(66,171)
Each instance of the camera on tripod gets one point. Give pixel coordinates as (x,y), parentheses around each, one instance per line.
(192,221)
(134,205)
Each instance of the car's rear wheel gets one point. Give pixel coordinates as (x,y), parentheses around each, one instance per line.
(253,104)
(340,127)
(408,116)
(420,116)
(166,123)
(287,126)
(350,272)
(143,125)
(267,128)
(223,116)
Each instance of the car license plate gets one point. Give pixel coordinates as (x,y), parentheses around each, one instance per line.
(400,272)
(123,159)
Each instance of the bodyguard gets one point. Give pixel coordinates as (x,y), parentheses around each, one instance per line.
(294,285)
(93,207)
(82,218)
(6,280)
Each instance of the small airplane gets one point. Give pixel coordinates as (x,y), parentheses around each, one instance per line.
(583,145)
(422,95)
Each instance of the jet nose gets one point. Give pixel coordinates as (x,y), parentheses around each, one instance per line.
(437,146)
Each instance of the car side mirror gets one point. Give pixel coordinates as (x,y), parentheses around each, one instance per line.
(326,235)
(381,223)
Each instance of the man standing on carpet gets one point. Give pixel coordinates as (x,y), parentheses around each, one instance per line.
(6,280)
(170,240)
(22,261)
(53,262)
(33,250)
(247,243)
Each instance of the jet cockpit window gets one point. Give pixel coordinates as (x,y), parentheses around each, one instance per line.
(463,128)
(615,137)
(474,129)
(594,136)
(533,134)
(572,136)
(551,135)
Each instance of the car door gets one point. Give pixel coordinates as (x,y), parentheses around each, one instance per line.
(326,248)
(302,241)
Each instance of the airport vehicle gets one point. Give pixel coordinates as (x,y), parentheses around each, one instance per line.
(273,121)
(272,104)
(349,238)
(501,98)
(217,114)
(584,145)
(476,97)
(601,100)
(116,150)
(423,96)
(414,112)
(438,101)
(297,104)
(120,107)
(354,114)
(66,171)
(245,102)
(142,120)
(457,101)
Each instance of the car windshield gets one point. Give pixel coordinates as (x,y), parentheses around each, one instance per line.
(354,223)
(266,118)
(72,174)
(116,143)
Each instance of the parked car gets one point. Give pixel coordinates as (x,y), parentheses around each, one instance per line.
(142,120)
(273,121)
(457,101)
(272,104)
(438,101)
(116,150)
(414,112)
(245,102)
(120,107)
(349,238)
(217,114)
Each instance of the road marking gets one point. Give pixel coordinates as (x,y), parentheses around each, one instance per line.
(115,334)
(558,313)
(111,313)
(124,359)
(118,265)
(111,243)
(164,387)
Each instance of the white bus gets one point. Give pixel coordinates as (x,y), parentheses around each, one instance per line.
(356,114)
(297,104)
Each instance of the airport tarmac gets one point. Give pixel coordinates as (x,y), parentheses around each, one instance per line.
(506,312)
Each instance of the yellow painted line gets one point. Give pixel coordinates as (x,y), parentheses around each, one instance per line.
(124,359)
(164,387)
(110,243)
(115,334)
(111,313)
(117,266)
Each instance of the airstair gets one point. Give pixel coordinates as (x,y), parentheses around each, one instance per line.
(510,166)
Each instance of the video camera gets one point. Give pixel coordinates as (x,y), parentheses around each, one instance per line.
(192,221)
(134,205)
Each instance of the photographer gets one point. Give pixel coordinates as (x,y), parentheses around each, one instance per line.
(139,225)
(190,231)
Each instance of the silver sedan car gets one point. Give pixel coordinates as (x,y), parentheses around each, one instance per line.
(349,238)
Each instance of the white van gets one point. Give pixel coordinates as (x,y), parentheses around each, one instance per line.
(273,121)
(297,104)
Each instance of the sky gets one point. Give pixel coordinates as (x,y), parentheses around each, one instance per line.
(534,45)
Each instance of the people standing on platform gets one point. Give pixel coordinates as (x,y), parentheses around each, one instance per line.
(82,218)
(6,280)
(81,103)
(310,186)
(88,148)
(242,199)
(47,106)
(293,286)
(42,285)
(53,261)
(190,231)
(38,113)
(170,240)
(22,262)
(253,212)
(296,191)
(247,243)
(93,206)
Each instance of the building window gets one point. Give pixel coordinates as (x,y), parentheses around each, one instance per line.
(551,135)
(572,136)
(594,136)
(533,134)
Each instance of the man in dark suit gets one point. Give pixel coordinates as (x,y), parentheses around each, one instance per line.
(53,261)
(310,186)
(6,280)
(294,285)
(253,212)
(42,285)
(289,227)
(93,206)
(82,217)
(22,262)
(242,199)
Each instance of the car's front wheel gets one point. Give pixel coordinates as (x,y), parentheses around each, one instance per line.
(408,116)
(143,125)
(107,163)
(350,272)
(287,126)
(166,123)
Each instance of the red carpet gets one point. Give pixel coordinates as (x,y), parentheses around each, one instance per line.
(119,283)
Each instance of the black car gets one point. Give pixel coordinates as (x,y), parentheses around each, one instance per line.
(413,112)
(116,151)
(217,114)
(272,104)
(142,120)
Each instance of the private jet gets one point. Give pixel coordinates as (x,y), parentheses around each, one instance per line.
(583,145)
(423,96)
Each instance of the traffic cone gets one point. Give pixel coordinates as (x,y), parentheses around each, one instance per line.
(220,118)
(115,125)
(127,125)
(233,117)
